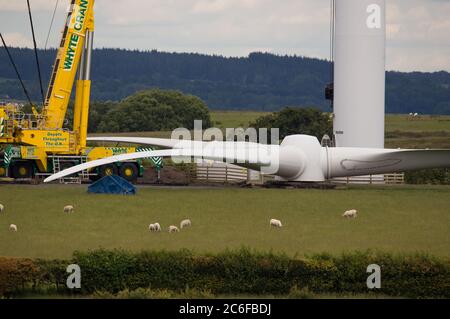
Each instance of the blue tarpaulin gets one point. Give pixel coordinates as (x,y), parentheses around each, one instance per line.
(112,185)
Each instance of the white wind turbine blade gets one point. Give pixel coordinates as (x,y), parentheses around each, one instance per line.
(249,157)
(299,158)
(356,161)
(174,143)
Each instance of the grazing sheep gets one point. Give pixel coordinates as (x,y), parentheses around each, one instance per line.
(185,223)
(154,227)
(350,214)
(68,209)
(2,208)
(173,229)
(13,227)
(275,223)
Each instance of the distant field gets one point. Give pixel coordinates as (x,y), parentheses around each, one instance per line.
(425,141)
(394,219)
(424,123)
(221,119)
(233,119)
(401,130)
(394,122)
(423,132)
(136,134)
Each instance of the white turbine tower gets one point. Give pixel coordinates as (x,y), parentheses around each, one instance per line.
(359,73)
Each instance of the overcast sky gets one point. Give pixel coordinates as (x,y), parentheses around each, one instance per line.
(418,31)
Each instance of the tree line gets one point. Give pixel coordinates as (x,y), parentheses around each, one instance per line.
(145,111)
(261,81)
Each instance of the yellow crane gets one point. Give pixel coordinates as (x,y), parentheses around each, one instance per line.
(37,144)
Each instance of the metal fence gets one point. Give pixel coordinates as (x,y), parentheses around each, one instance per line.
(386,179)
(220,173)
(228,173)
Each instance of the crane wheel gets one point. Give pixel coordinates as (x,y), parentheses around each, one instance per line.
(129,171)
(22,169)
(107,170)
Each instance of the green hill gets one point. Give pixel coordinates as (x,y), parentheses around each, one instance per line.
(262,82)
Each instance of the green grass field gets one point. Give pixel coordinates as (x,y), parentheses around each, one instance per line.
(394,219)
(394,122)
(423,132)
(397,219)
(234,119)
(424,123)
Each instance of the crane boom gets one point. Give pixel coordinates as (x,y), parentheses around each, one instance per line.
(37,144)
(79,25)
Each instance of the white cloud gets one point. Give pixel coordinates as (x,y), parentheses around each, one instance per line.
(220,6)
(429,60)
(211,6)
(21,5)
(418,35)
(417,30)
(17,39)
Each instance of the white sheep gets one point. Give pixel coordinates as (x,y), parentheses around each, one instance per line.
(173,229)
(68,209)
(2,208)
(185,223)
(350,214)
(275,223)
(154,227)
(13,227)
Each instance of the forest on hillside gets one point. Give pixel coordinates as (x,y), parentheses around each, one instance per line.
(260,81)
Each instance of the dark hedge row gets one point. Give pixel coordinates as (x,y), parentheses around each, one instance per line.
(437,176)
(233,272)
